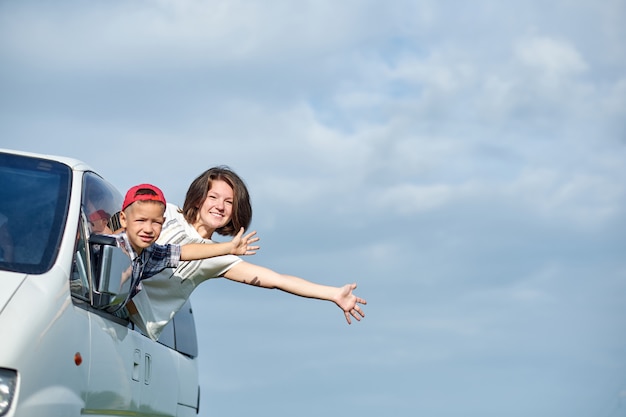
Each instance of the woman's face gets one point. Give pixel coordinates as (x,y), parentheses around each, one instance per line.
(217,208)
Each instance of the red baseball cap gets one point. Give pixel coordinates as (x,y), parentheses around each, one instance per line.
(153,194)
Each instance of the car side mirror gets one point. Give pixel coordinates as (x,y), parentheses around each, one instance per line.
(112,270)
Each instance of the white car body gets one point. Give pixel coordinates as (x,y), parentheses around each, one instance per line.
(62,350)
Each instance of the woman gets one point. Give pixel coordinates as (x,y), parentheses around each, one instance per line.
(218,202)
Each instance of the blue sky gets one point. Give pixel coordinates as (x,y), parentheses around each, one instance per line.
(464,163)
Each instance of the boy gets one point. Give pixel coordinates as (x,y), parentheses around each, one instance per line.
(142,219)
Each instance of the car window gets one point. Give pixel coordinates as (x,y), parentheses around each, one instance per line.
(80,276)
(34,198)
(101,203)
(185,331)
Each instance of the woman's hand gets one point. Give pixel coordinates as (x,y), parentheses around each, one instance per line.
(242,245)
(348,302)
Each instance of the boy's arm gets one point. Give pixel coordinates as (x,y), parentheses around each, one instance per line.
(240,245)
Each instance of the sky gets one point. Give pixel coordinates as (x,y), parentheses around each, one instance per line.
(463,162)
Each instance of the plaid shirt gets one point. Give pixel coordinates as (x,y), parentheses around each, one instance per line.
(153,259)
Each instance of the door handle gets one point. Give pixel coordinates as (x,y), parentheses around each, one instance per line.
(147,370)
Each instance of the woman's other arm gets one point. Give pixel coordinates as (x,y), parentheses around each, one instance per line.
(343,297)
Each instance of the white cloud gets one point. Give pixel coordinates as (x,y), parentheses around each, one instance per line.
(555,58)
(580,198)
(445,71)
(410,199)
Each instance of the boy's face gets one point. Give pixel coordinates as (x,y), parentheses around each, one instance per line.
(143,221)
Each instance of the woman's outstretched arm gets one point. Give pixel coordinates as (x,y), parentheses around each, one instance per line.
(259,276)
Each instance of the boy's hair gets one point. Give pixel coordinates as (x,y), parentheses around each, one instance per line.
(143,192)
(199,188)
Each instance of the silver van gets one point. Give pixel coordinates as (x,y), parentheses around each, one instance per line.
(65,347)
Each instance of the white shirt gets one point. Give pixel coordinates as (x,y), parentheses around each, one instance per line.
(165,293)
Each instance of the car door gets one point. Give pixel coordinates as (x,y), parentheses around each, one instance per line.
(128,371)
(113,384)
(178,341)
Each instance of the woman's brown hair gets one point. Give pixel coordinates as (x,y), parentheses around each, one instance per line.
(199,188)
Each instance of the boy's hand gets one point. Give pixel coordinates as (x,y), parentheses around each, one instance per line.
(242,245)
(348,303)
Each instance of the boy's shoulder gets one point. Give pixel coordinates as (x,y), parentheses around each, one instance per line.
(161,250)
